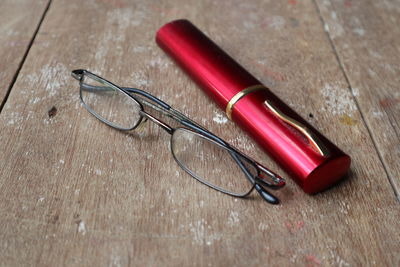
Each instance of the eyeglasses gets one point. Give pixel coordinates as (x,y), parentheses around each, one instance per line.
(203,155)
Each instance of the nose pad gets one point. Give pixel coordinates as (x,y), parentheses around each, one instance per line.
(141,127)
(77,74)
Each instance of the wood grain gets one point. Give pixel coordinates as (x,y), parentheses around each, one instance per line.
(18,23)
(76,192)
(367,44)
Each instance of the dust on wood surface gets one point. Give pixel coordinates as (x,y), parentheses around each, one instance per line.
(18,23)
(76,192)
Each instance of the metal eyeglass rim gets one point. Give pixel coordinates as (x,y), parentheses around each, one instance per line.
(142,97)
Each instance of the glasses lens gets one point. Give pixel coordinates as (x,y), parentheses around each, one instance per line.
(109,103)
(211,163)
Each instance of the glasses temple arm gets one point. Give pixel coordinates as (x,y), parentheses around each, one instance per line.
(184,120)
(163,125)
(278,182)
(92,88)
(147,95)
(165,108)
(143,96)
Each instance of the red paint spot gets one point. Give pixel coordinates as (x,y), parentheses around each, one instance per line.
(348,4)
(295,226)
(312,260)
(115,3)
(300,224)
(157,9)
(292,2)
(388,102)
(264,23)
(270,73)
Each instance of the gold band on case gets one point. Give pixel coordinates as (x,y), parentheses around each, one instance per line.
(238,96)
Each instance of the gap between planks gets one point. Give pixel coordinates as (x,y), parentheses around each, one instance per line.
(21,64)
(396,192)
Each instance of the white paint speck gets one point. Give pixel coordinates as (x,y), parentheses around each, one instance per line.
(377,114)
(326,27)
(248,24)
(123,19)
(220,118)
(202,233)
(277,22)
(14,118)
(12,32)
(82,228)
(98,172)
(233,218)
(375,54)
(339,261)
(40,199)
(138,17)
(55,77)
(355,91)
(371,72)
(139,49)
(326,2)
(35,100)
(359,31)
(160,62)
(171,195)
(338,100)
(262,226)
(115,260)
(334,28)
(62,161)
(139,79)
(243,143)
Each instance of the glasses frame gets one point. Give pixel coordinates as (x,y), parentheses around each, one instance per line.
(142,98)
(202,180)
(107,83)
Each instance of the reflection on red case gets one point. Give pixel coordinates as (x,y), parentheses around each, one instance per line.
(312,160)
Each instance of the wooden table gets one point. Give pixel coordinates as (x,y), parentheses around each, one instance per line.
(76,192)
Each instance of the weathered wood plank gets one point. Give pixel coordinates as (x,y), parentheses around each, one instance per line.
(367,42)
(18,23)
(76,192)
